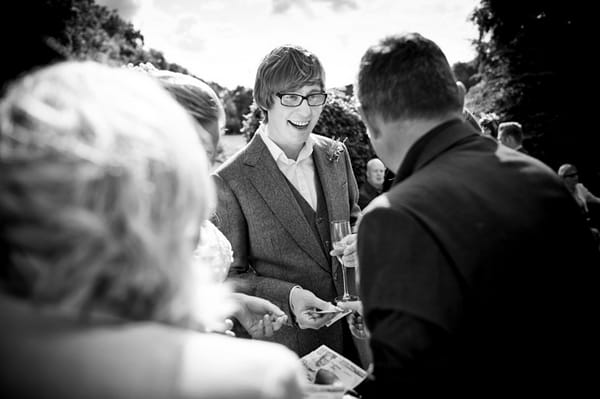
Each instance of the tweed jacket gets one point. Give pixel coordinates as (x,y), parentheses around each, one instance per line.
(274,247)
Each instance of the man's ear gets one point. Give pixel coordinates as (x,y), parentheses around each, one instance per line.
(462,91)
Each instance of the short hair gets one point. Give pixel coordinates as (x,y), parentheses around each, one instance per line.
(285,68)
(406,76)
(511,129)
(103,187)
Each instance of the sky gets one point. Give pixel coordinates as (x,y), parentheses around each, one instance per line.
(223,41)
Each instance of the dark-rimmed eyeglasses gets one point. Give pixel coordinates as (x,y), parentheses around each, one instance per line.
(294,100)
(574,174)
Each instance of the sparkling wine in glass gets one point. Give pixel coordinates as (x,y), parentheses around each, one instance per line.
(339,230)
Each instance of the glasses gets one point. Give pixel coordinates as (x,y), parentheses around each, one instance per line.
(294,100)
(571,174)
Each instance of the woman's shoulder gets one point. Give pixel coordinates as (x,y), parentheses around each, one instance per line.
(216,364)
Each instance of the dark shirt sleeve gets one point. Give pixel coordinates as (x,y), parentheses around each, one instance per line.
(409,354)
(404,269)
(412,301)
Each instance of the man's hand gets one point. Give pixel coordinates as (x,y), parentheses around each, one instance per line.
(355,319)
(225,327)
(350,257)
(305,306)
(258,316)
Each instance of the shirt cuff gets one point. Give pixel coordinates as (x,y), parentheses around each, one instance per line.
(292,314)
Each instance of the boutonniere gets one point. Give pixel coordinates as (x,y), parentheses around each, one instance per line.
(336,147)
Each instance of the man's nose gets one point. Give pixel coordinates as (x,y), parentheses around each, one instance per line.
(304,107)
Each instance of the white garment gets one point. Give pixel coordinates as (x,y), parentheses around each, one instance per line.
(217,366)
(301,173)
(51,355)
(214,250)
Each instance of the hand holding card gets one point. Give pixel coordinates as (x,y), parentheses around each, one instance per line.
(341,315)
(331,310)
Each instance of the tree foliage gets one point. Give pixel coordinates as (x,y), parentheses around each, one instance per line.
(527,58)
(83,30)
(339,119)
(466,72)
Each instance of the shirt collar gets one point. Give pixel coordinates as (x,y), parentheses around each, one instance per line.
(431,144)
(278,153)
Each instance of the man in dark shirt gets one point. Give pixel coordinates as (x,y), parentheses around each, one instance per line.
(373,186)
(477,274)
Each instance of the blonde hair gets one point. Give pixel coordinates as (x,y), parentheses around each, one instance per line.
(197,97)
(103,186)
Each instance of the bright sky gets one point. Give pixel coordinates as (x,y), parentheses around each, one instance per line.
(224,40)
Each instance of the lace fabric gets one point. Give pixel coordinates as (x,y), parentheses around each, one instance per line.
(214,250)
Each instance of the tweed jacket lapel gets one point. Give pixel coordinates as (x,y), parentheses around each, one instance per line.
(268,180)
(333,180)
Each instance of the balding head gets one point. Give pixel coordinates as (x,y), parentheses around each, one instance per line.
(375,173)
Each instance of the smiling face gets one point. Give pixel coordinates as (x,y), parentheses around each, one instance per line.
(290,127)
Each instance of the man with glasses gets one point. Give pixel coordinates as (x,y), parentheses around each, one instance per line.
(277,197)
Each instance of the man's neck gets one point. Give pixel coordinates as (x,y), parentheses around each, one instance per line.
(411,130)
(291,152)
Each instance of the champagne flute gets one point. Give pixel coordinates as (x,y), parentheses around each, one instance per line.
(339,230)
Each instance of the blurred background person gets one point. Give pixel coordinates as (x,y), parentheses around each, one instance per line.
(584,198)
(469,117)
(489,125)
(588,203)
(101,204)
(373,185)
(511,135)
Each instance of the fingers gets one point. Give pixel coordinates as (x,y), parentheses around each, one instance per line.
(267,325)
(305,305)
(228,324)
(348,251)
(320,304)
(355,306)
(279,321)
(357,326)
(224,327)
(274,310)
(309,319)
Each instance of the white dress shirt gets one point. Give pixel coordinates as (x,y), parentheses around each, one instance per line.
(301,172)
